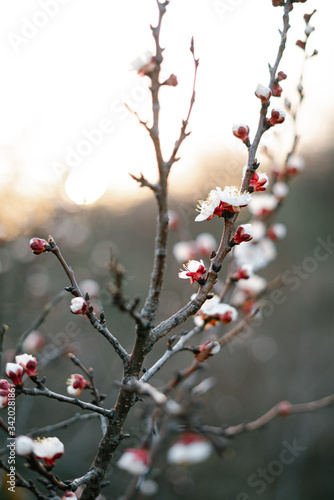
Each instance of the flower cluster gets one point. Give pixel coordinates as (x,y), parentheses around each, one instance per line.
(24,363)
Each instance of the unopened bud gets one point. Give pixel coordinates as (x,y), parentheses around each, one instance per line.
(38,245)
(277,116)
(78,306)
(171,81)
(263,93)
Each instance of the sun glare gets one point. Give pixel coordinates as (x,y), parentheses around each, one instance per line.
(84,187)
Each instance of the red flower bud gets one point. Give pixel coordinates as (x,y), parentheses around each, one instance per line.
(284,408)
(281,76)
(4,390)
(171,81)
(277,90)
(38,245)
(28,363)
(244,233)
(277,116)
(207,349)
(15,372)
(241,131)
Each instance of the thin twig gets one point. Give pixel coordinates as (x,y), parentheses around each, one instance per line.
(65,399)
(277,411)
(21,482)
(171,352)
(100,326)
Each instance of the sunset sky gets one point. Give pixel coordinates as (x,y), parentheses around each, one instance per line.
(66,72)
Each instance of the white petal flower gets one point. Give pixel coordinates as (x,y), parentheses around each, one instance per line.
(262,204)
(258,255)
(234,197)
(49,449)
(253,286)
(295,164)
(189,450)
(193,270)
(280,190)
(24,446)
(213,307)
(262,92)
(184,251)
(134,461)
(208,206)
(78,305)
(205,244)
(144,63)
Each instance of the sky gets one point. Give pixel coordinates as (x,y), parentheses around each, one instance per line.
(66,74)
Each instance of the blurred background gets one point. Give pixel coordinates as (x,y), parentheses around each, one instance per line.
(67,146)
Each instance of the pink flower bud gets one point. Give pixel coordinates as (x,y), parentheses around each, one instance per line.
(284,408)
(171,81)
(15,373)
(276,232)
(38,245)
(78,306)
(295,165)
(263,93)
(75,384)
(68,494)
(194,270)
(207,349)
(205,244)
(243,272)
(173,220)
(48,449)
(28,363)
(241,131)
(33,342)
(244,233)
(277,90)
(135,461)
(277,116)
(281,76)
(4,390)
